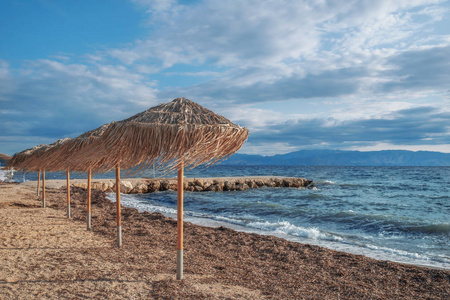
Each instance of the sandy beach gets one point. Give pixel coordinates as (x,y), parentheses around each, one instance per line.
(45,255)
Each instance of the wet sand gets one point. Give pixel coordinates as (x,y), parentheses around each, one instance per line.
(46,255)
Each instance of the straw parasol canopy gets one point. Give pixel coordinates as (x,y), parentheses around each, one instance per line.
(39,158)
(36,158)
(164,135)
(22,160)
(69,155)
(169,136)
(4,156)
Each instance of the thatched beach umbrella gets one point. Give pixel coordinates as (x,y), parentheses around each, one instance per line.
(36,159)
(61,156)
(51,159)
(22,160)
(66,156)
(17,162)
(5,157)
(70,155)
(26,160)
(39,160)
(170,136)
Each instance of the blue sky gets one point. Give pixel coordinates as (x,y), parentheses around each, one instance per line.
(350,75)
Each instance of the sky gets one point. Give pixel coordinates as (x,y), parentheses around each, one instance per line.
(346,74)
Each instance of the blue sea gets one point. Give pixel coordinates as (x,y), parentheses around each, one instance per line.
(392,213)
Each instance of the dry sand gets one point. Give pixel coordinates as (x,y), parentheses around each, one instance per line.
(45,255)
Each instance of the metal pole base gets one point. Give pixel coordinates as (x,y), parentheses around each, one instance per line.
(89,221)
(68,211)
(179,264)
(119,236)
(43,202)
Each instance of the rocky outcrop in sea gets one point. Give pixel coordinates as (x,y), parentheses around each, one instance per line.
(138,186)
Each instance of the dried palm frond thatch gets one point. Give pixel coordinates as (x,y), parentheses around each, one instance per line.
(66,156)
(71,155)
(4,156)
(31,160)
(164,135)
(22,160)
(39,159)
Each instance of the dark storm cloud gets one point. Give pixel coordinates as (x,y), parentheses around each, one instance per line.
(333,83)
(425,125)
(419,69)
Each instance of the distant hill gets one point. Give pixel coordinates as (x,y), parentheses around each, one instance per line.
(345,158)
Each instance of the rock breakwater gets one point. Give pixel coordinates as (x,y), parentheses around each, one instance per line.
(145,185)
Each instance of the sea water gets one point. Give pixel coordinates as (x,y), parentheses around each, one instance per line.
(391,213)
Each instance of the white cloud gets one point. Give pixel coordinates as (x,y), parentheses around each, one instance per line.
(7,84)
(267,149)
(362,55)
(254,33)
(253,118)
(289,50)
(232,33)
(154,6)
(53,99)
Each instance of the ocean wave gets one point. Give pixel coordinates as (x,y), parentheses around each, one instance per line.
(135,202)
(385,224)
(6,176)
(325,182)
(284,227)
(439,197)
(314,196)
(432,228)
(441,260)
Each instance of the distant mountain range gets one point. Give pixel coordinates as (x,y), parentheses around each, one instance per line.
(345,158)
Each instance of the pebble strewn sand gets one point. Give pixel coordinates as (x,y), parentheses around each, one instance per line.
(45,255)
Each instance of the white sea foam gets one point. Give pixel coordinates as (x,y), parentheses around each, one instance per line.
(6,175)
(133,201)
(284,227)
(327,182)
(277,228)
(401,253)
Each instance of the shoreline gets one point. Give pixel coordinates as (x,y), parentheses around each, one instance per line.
(219,262)
(355,249)
(108,186)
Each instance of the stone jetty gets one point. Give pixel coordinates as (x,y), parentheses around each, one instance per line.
(217,184)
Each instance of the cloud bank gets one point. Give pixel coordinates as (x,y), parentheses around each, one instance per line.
(376,71)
